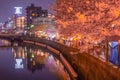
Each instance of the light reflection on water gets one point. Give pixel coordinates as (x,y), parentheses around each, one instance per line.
(29,63)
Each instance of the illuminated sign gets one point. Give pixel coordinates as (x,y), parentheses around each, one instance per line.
(18,10)
(19,64)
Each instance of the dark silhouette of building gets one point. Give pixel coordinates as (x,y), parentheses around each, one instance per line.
(34,12)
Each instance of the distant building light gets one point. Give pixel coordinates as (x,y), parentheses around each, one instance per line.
(30,17)
(33,14)
(43,15)
(31,26)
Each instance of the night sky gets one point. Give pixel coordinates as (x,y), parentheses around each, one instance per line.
(7,6)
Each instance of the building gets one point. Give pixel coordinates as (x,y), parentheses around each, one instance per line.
(18,19)
(8,24)
(1,26)
(20,22)
(44,20)
(45,26)
(34,12)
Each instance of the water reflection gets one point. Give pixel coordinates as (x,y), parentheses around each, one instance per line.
(19,63)
(32,63)
(4,43)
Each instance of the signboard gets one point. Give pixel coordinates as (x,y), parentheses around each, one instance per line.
(18,10)
(114,53)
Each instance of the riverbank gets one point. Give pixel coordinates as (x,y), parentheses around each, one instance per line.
(86,66)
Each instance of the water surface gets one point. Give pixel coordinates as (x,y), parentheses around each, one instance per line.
(29,63)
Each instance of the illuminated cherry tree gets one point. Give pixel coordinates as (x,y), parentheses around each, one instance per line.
(88,20)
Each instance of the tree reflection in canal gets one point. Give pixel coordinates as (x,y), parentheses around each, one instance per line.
(31,62)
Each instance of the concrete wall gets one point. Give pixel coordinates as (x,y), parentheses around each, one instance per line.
(91,68)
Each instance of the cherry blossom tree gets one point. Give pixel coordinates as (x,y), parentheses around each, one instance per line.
(88,20)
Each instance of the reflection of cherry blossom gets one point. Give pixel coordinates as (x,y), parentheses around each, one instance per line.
(55,66)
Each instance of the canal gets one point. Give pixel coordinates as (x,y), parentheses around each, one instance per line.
(21,61)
